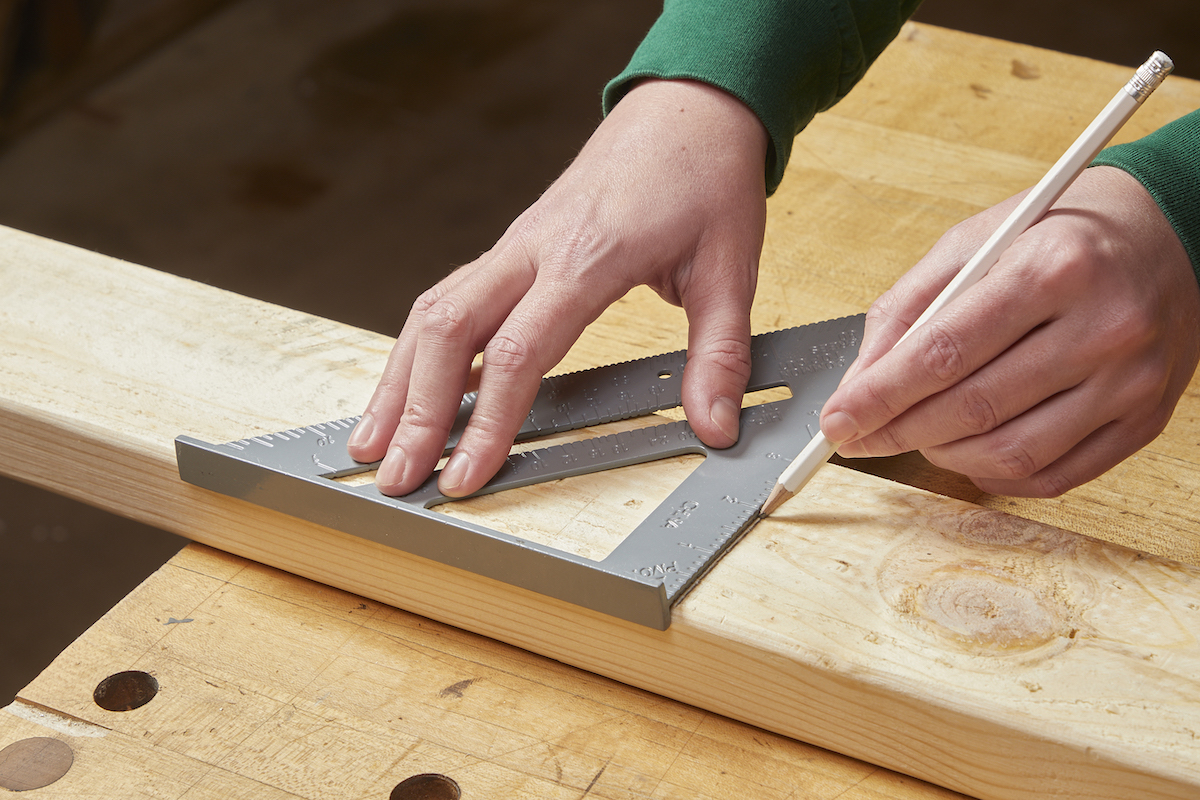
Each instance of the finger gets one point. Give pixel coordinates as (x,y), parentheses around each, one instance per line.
(1071,438)
(1025,445)
(449,334)
(369,440)
(718,364)
(474,377)
(1097,453)
(894,312)
(983,323)
(531,341)
(1037,367)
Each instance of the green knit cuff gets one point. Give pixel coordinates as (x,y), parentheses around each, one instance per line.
(785,59)
(1167,162)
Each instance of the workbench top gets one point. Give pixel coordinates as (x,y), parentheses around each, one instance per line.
(835,622)
(271,686)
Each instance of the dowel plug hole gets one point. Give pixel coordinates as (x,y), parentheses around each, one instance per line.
(125,691)
(34,763)
(429,786)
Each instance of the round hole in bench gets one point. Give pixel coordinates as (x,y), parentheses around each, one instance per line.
(429,786)
(125,691)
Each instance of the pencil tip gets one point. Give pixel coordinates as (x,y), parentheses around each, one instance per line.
(775,499)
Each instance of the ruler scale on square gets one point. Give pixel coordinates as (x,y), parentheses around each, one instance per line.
(295,472)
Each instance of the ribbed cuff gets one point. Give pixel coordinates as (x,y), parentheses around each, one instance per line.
(1167,163)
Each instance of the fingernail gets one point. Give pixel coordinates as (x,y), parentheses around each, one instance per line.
(725,415)
(454,473)
(838,427)
(362,431)
(391,471)
(852,450)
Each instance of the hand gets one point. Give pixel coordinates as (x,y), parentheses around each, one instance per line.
(669,192)
(1069,356)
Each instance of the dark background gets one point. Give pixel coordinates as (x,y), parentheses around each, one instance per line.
(265,145)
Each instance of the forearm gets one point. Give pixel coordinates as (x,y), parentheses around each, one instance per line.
(785,59)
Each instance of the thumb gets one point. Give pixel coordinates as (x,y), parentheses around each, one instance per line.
(718,365)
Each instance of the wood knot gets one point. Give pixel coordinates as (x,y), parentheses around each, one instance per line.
(983,526)
(990,610)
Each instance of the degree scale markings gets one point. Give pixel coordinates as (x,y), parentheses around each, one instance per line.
(656,564)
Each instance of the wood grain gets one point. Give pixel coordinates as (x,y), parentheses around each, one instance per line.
(371,696)
(993,655)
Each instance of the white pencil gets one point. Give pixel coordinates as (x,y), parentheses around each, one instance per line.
(1032,208)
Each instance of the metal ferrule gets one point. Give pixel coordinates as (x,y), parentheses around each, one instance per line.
(1149,76)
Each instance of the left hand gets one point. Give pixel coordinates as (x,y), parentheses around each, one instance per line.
(1068,357)
(668,192)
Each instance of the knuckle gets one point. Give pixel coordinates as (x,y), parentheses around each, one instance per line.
(427,299)
(1143,427)
(883,309)
(390,386)
(1155,422)
(1131,329)
(882,403)
(1060,264)
(1049,483)
(507,351)
(942,357)
(446,319)
(487,428)
(569,249)
(1014,460)
(887,441)
(731,356)
(418,417)
(885,313)
(976,411)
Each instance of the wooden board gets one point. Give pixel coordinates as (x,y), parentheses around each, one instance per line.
(1000,657)
(371,696)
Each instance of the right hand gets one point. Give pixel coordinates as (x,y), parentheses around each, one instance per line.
(1066,359)
(669,192)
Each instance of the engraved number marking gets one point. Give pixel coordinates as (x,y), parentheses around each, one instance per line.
(680,514)
(658,570)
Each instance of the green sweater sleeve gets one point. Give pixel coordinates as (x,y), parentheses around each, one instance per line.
(785,59)
(1167,162)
